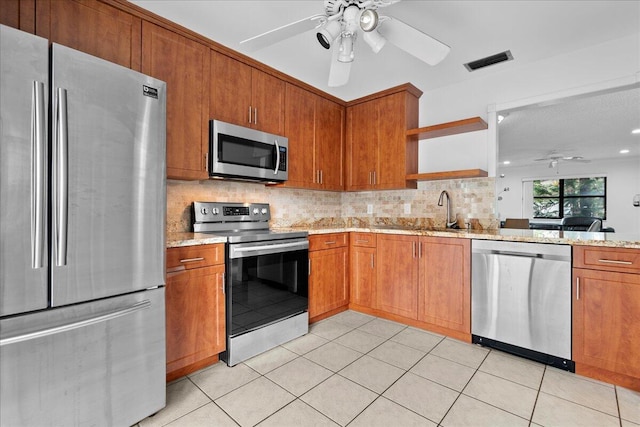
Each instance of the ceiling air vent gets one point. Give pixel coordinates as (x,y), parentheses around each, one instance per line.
(489,60)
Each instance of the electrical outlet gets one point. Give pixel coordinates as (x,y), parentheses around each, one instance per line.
(407,208)
(369,209)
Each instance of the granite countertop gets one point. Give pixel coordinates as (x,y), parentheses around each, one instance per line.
(618,240)
(175,240)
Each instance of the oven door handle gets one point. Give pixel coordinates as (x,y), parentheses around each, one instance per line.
(256,250)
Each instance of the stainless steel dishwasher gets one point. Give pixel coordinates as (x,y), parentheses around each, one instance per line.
(521,299)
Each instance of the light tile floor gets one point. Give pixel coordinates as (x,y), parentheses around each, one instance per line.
(357,370)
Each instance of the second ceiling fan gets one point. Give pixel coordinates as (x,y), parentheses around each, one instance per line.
(340,26)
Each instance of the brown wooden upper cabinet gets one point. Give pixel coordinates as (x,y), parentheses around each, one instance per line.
(245,96)
(315,128)
(91,27)
(379,154)
(184,64)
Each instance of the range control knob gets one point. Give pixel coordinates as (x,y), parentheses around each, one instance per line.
(264,211)
(256,211)
(215,211)
(203,211)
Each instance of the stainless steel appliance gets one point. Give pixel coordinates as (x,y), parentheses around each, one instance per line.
(236,152)
(266,280)
(82,214)
(521,299)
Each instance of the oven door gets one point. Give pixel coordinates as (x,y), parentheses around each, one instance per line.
(266,282)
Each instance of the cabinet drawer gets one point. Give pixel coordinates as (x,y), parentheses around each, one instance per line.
(363,239)
(189,257)
(319,242)
(610,259)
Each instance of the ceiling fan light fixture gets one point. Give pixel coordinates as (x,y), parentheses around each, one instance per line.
(375,41)
(329,33)
(345,53)
(368,20)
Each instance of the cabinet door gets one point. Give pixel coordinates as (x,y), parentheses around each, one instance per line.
(328,282)
(397,275)
(362,145)
(444,292)
(267,102)
(230,95)
(20,14)
(392,131)
(363,275)
(195,316)
(299,128)
(329,144)
(606,321)
(92,27)
(184,65)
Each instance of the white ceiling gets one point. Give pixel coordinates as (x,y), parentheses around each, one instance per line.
(593,127)
(532,30)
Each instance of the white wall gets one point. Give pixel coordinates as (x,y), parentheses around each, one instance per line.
(623,182)
(605,62)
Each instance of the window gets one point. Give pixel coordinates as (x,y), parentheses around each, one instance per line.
(560,198)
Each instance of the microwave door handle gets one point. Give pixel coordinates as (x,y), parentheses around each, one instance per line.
(275,170)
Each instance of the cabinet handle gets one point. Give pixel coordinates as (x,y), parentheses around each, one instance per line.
(372,263)
(206,162)
(362,241)
(374,178)
(414,249)
(309,267)
(192,259)
(330,242)
(420,250)
(577,288)
(321,180)
(370,178)
(223,283)
(611,261)
(255,116)
(249,113)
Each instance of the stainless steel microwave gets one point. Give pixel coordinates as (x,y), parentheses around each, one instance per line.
(237,152)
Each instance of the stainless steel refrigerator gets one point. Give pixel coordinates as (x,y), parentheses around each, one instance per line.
(82,217)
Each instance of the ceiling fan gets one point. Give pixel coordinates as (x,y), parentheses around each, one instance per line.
(554,158)
(340,26)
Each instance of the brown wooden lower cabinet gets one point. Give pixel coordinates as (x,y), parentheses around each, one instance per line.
(606,326)
(397,275)
(444,293)
(362,269)
(195,311)
(328,275)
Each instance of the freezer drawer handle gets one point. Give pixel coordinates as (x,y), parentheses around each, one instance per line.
(38,174)
(75,325)
(61,176)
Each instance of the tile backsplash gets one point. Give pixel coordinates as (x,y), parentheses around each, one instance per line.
(472,201)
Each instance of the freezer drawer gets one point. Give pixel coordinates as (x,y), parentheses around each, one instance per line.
(99,363)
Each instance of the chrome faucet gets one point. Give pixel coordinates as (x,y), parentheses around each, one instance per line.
(450,224)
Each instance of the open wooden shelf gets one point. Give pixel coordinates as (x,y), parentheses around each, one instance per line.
(450,128)
(433,176)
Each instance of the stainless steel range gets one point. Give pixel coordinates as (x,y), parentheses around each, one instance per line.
(266,277)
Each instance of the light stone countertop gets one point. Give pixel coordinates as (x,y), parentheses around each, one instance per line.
(175,240)
(616,240)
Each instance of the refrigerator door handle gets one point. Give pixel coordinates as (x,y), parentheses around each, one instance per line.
(60,178)
(76,325)
(38,174)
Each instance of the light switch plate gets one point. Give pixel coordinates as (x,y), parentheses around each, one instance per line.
(369,209)
(407,208)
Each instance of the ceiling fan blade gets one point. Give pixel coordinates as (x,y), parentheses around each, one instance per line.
(339,71)
(281,33)
(412,41)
